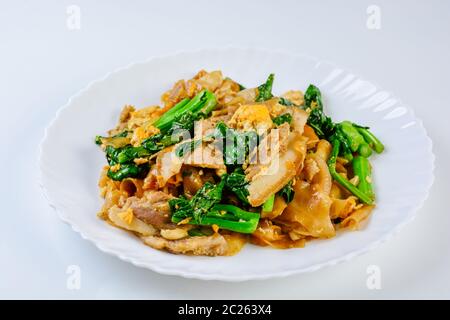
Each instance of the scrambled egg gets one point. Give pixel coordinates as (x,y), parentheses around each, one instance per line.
(252,117)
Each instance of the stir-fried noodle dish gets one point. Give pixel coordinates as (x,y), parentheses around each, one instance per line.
(219,165)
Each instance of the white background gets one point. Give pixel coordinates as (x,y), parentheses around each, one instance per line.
(43,63)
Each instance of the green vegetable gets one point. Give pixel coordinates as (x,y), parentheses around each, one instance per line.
(128,170)
(286,117)
(236,146)
(265,90)
(345,149)
(203,209)
(112,155)
(167,118)
(322,125)
(101,140)
(172,124)
(187,147)
(355,139)
(362,169)
(268,204)
(285,102)
(365,150)
(370,138)
(287,192)
(207,196)
(349,140)
(130,153)
(313,98)
(236,183)
(204,102)
(340,179)
(156,143)
(232,218)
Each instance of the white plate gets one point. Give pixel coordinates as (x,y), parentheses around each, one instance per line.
(70,162)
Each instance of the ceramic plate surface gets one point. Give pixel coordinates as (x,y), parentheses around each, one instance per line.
(70,162)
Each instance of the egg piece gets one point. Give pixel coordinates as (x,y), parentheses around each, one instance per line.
(250,117)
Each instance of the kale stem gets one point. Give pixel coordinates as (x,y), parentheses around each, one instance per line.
(341,180)
(236,211)
(236,226)
(371,139)
(268,204)
(362,169)
(169,114)
(265,90)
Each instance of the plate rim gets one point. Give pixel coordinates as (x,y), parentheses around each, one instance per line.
(221,277)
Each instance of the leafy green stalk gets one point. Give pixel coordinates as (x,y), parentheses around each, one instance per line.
(362,169)
(236,183)
(355,139)
(287,192)
(236,146)
(99,140)
(370,138)
(265,90)
(206,197)
(345,149)
(188,147)
(313,98)
(237,219)
(279,120)
(169,115)
(234,212)
(128,170)
(268,204)
(204,209)
(340,179)
(130,153)
(285,102)
(323,126)
(203,100)
(172,124)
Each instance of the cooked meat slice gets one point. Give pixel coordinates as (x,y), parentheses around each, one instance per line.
(152,216)
(153,208)
(215,245)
